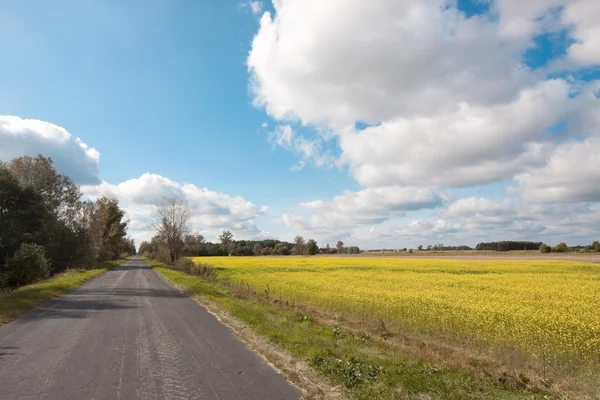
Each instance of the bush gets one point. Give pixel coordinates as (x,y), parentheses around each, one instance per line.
(184,264)
(544,249)
(204,271)
(26,266)
(124,255)
(560,248)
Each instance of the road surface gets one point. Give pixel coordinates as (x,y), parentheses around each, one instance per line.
(129,335)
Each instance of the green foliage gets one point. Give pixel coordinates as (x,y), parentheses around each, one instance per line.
(508,245)
(311,247)
(26,266)
(560,248)
(42,207)
(545,249)
(351,371)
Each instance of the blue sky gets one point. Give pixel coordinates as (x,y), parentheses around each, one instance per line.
(201,93)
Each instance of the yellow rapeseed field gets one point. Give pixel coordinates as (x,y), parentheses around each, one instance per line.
(544,308)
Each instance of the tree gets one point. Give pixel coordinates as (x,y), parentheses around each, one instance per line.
(226,238)
(544,249)
(299,245)
(145,249)
(311,247)
(340,246)
(170,221)
(21,214)
(560,248)
(596,246)
(61,234)
(420,247)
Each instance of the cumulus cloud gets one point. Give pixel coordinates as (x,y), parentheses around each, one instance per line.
(350,61)
(211,212)
(340,216)
(469,146)
(519,19)
(446,97)
(71,155)
(472,220)
(572,174)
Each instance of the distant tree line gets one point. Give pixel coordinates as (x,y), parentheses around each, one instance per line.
(563,248)
(196,245)
(46,227)
(508,245)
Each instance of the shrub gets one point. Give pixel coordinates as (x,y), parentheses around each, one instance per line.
(204,271)
(544,249)
(184,264)
(26,266)
(560,248)
(124,255)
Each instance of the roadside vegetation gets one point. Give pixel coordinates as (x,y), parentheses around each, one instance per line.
(46,228)
(25,298)
(363,364)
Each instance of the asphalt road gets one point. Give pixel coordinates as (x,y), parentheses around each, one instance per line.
(129,335)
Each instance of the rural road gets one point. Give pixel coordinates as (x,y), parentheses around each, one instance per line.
(129,335)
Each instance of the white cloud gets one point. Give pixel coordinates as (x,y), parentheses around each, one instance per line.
(255,6)
(71,156)
(472,145)
(572,174)
(211,211)
(525,19)
(343,61)
(306,149)
(340,216)
(473,220)
(448,99)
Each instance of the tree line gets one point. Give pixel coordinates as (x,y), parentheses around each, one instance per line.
(508,245)
(196,246)
(173,239)
(46,227)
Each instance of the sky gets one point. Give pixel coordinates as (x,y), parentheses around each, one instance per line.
(381,123)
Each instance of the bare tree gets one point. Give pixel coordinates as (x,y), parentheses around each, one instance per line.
(170,221)
(299,245)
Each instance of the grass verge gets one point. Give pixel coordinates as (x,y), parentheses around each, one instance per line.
(23,299)
(360,366)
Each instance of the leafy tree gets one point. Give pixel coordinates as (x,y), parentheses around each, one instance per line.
(560,248)
(340,246)
(544,249)
(311,247)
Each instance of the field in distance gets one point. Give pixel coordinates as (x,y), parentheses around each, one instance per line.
(481,255)
(545,311)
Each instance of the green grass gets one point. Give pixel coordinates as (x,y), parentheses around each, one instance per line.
(19,301)
(367,368)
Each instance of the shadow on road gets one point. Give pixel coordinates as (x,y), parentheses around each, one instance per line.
(5,351)
(129,292)
(73,308)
